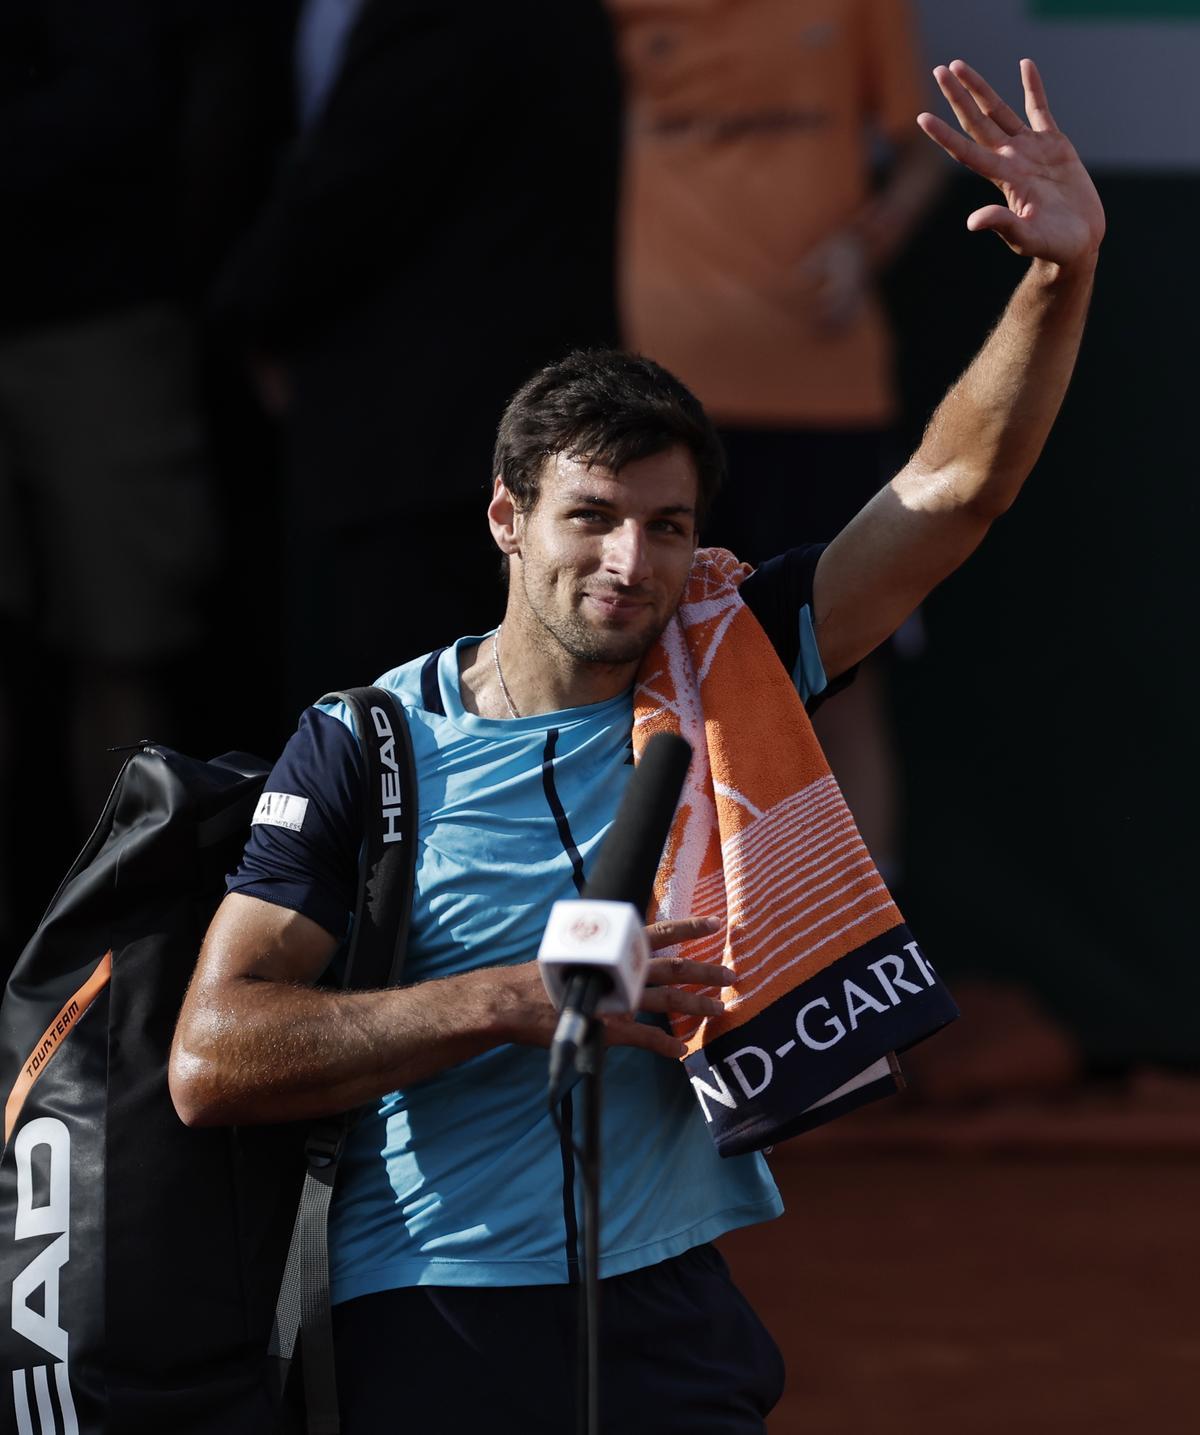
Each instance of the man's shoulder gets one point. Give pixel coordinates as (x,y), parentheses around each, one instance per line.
(413,684)
(783,585)
(780,595)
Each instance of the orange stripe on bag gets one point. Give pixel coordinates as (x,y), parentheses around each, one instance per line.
(53,1037)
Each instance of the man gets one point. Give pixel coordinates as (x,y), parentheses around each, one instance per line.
(453,1225)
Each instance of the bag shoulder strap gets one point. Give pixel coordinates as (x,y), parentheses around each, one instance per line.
(375,958)
(388,863)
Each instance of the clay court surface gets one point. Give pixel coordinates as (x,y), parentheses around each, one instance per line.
(1029,1269)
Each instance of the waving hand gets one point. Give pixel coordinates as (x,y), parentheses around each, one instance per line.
(1051,210)
(987,433)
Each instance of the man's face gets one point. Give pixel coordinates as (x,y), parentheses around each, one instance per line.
(602,558)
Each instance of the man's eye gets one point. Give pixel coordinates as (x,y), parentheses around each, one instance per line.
(589,515)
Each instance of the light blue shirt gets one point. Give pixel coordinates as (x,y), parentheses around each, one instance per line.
(458,1180)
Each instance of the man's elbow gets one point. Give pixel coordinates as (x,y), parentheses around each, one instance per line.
(196,1088)
(985,507)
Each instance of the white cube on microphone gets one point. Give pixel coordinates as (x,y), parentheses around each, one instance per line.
(608,938)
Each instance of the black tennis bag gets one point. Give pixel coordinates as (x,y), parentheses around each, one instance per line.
(141,1261)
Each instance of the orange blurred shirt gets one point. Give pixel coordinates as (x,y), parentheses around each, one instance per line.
(748,144)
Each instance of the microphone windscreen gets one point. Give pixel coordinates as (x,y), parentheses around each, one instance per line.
(631,851)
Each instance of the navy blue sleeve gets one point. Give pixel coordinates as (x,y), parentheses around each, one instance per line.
(307,829)
(780,595)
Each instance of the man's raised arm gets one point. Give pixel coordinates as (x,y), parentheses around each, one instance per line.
(988,431)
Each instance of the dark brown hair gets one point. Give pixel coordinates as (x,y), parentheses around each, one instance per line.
(609,408)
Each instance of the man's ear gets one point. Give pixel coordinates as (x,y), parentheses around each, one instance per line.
(504,520)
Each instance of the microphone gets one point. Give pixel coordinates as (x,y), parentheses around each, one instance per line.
(594,950)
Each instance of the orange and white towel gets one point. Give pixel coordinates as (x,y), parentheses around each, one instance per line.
(830,982)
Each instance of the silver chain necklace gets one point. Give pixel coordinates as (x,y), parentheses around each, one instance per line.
(512,707)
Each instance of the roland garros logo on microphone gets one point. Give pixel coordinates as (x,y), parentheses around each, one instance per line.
(588,928)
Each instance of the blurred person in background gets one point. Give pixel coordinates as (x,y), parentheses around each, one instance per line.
(444,226)
(773,170)
(108,527)
(135,139)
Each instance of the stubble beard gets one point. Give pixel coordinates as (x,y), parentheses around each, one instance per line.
(587,644)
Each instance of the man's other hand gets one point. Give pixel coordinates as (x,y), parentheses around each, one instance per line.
(529,1017)
(1051,211)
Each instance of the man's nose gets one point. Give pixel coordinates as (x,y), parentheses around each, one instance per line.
(626,555)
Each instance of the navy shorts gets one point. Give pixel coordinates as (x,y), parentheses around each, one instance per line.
(681,1351)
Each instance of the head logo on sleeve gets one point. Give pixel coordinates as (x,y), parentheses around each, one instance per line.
(281,809)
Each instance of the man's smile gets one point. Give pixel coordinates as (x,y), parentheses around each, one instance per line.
(616,605)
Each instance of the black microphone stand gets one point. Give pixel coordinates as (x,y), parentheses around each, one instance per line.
(624,872)
(590,1064)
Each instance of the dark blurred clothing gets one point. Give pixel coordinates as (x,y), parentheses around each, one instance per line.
(133,134)
(810,481)
(127,141)
(322,29)
(89,105)
(107,541)
(444,228)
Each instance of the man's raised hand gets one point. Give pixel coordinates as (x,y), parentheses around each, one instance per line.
(1052,211)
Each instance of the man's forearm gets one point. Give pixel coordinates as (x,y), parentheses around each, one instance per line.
(257,1041)
(978,449)
(987,433)
(274,1051)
